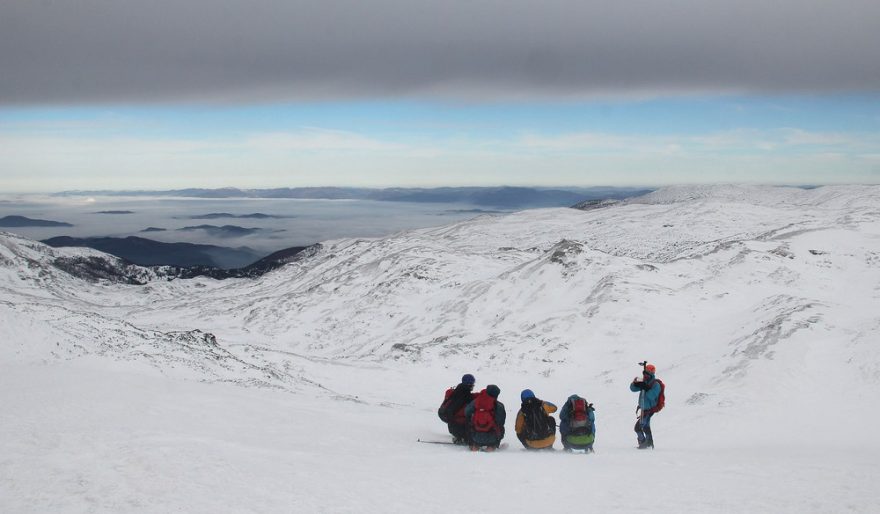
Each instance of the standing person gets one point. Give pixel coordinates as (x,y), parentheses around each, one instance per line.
(451,411)
(577,424)
(651,400)
(535,428)
(485,420)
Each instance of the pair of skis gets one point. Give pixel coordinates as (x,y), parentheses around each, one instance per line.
(482,448)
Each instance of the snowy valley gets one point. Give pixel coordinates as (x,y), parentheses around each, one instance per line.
(306,389)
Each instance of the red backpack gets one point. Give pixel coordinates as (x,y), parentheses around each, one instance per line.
(580,417)
(661,400)
(484,413)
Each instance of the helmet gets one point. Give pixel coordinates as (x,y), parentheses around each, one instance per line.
(493,390)
(650,369)
(468,379)
(526,394)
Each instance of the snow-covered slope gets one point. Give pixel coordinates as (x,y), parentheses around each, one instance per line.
(758,305)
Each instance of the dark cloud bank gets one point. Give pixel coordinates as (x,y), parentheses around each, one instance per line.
(265,50)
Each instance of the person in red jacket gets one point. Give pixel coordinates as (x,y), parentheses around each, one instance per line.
(451,411)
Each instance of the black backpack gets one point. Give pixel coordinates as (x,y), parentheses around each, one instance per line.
(443,411)
(537,424)
(460,397)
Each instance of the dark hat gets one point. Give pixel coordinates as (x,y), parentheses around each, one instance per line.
(468,379)
(493,390)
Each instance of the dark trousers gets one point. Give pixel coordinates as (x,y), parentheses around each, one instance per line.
(458,431)
(643,429)
(492,439)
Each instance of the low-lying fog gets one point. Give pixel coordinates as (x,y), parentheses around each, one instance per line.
(292,222)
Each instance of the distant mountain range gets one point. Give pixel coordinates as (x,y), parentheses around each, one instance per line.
(22,221)
(494,197)
(147,252)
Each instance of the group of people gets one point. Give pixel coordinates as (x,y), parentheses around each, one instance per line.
(477,419)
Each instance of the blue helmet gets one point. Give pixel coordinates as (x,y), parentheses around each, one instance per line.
(468,379)
(526,394)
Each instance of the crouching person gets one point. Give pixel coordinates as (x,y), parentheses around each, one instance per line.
(535,428)
(451,411)
(577,424)
(485,420)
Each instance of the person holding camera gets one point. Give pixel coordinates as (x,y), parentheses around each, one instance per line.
(651,399)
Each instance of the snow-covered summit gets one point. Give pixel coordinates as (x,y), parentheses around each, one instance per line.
(820,197)
(35,261)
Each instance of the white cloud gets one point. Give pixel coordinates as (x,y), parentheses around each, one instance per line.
(318,157)
(742,141)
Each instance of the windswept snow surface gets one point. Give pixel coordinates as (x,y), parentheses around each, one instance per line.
(306,390)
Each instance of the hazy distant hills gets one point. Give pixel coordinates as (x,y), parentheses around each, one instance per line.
(221,215)
(22,221)
(221,231)
(147,252)
(495,197)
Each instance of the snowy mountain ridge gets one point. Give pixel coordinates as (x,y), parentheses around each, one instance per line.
(539,288)
(828,197)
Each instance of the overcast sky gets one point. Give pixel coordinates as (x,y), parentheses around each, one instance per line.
(382,92)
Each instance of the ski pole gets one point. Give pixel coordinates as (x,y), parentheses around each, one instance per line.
(644,365)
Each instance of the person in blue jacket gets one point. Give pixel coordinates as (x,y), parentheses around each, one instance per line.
(648,388)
